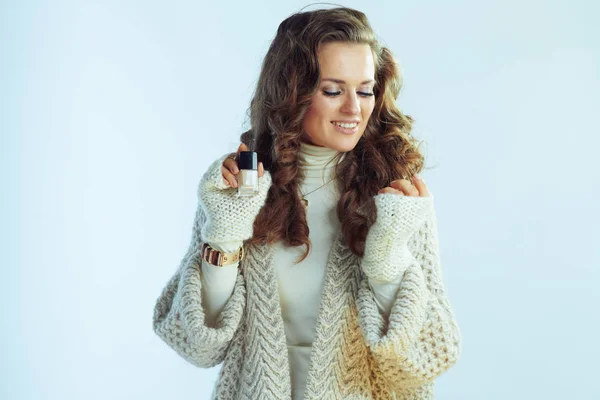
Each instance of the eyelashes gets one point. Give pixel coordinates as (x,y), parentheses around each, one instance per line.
(334,94)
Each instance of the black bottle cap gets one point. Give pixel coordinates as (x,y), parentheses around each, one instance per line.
(248,160)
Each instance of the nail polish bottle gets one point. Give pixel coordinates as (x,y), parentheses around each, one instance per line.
(248,176)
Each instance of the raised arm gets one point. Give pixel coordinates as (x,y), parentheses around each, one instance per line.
(421,338)
(201,332)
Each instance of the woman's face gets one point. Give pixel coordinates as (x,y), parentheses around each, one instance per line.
(345,96)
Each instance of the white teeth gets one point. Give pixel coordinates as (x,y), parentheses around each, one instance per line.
(347,126)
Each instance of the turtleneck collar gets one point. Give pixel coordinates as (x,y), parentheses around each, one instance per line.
(317,160)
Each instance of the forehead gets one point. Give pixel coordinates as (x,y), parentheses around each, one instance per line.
(351,62)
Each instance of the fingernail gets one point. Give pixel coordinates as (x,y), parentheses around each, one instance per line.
(418,177)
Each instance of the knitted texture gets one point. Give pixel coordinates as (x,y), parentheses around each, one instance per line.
(179,316)
(356,353)
(229,217)
(386,254)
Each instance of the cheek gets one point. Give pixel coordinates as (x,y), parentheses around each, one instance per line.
(313,120)
(312,117)
(368,107)
(323,109)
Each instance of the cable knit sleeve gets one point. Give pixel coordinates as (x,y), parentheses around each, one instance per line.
(421,339)
(179,318)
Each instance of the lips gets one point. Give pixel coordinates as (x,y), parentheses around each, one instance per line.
(347,125)
(346,129)
(354,121)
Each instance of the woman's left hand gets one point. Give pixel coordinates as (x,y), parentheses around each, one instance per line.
(404,187)
(387,254)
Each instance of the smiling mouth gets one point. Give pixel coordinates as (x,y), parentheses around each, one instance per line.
(345,129)
(345,125)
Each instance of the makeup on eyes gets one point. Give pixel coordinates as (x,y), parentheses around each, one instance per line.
(332,93)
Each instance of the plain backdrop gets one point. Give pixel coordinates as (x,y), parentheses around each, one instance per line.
(110,112)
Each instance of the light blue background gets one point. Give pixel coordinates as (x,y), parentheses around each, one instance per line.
(111,112)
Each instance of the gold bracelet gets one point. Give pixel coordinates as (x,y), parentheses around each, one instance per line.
(220,258)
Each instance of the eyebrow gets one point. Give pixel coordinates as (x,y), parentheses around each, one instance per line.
(341,81)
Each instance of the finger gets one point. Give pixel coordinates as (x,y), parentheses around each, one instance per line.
(261,169)
(405,187)
(229,177)
(231,165)
(242,147)
(421,186)
(390,190)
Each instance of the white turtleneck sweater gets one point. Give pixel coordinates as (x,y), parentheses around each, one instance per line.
(300,285)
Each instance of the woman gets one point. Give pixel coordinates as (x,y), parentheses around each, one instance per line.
(339,292)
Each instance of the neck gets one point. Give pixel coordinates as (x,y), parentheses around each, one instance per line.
(318,160)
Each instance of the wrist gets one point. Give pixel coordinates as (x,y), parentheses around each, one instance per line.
(385,261)
(226,246)
(220,258)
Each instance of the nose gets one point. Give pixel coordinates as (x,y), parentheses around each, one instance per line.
(351,104)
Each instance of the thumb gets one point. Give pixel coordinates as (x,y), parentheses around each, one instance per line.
(242,147)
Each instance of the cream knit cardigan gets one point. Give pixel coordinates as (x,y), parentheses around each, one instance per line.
(356,354)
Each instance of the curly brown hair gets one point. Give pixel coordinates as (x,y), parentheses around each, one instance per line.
(289,78)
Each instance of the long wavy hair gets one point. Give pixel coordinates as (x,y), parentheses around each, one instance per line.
(288,79)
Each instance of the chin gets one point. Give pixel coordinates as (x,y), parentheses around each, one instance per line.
(345,146)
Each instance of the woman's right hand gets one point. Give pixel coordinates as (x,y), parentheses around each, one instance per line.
(229,217)
(230,168)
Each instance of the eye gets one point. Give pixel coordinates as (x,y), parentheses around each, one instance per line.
(333,94)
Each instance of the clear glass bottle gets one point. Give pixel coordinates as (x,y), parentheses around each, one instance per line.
(248,176)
